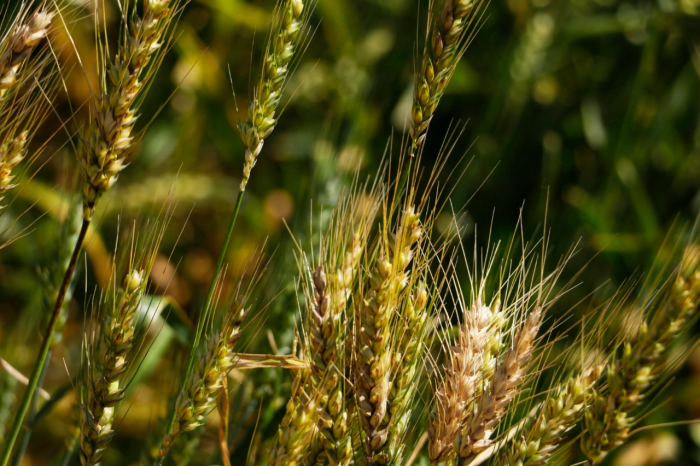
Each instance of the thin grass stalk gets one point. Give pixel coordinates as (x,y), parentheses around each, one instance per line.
(51,280)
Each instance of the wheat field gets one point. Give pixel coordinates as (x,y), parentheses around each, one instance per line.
(333,232)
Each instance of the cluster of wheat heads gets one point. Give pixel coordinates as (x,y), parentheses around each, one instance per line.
(399,353)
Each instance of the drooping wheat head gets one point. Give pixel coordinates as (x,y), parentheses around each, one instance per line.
(109,138)
(640,360)
(451,25)
(286,36)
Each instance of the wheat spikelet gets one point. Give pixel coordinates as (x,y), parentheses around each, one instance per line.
(558,414)
(502,388)
(446,39)
(638,364)
(203,387)
(112,358)
(471,360)
(19,45)
(109,138)
(374,354)
(285,36)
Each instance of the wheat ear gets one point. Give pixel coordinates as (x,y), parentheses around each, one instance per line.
(634,369)
(374,353)
(285,36)
(109,138)
(445,42)
(470,361)
(19,46)
(503,387)
(557,415)
(333,417)
(111,358)
(198,398)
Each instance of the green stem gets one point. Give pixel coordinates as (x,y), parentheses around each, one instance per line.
(404,177)
(31,420)
(44,351)
(201,323)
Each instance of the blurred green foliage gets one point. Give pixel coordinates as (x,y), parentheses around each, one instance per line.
(581,113)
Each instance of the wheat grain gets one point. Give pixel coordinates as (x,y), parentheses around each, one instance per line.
(637,364)
(558,414)
(470,362)
(112,358)
(446,40)
(11,153)
(374,359)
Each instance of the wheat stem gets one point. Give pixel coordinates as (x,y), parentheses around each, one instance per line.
(44,351)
